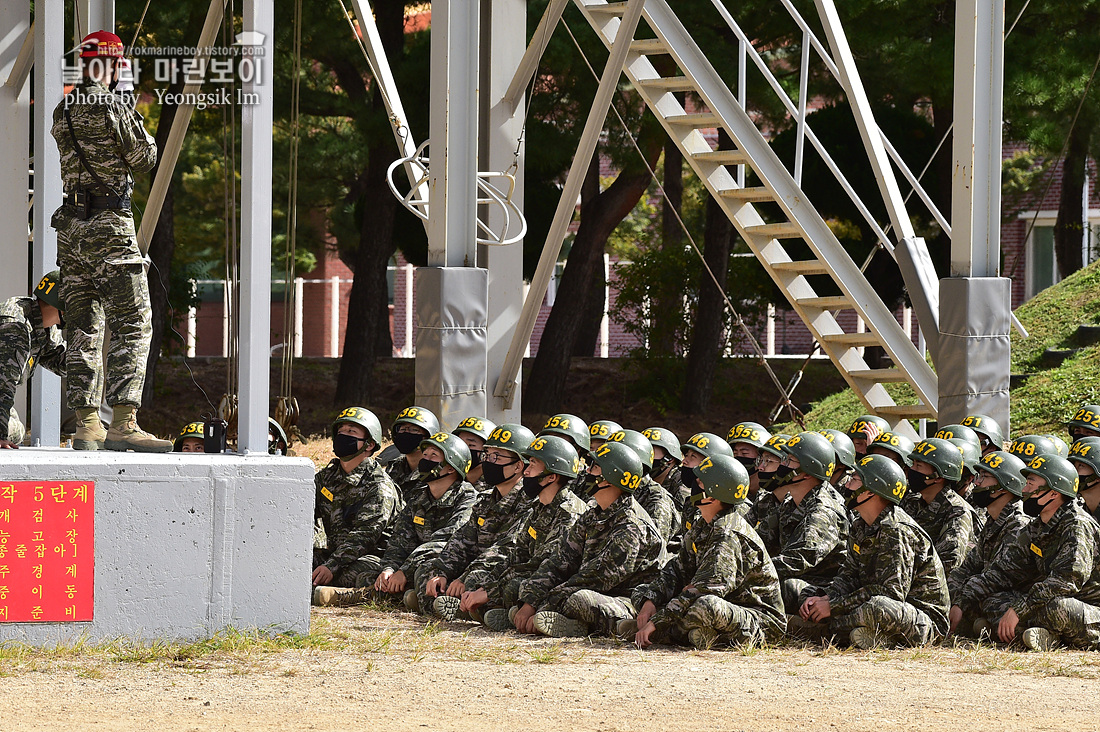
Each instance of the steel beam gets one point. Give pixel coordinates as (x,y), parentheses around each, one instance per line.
(529,64)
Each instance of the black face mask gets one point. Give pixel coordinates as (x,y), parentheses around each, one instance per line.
(659,466)
(590,482)
(687,476)
(981,499)
(475,458)
(347,446)
(782,476)
(494,472)
(407,442)
(531,486)
(918,481)
(1088,482)
(429,469)
(748,462)
(852,504)
(1031,505)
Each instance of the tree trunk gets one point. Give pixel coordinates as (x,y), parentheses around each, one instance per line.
(706,337)
(588,333)
(599,217)
(1068,227)
(668,308)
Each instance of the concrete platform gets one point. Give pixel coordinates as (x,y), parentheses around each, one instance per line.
(185,544)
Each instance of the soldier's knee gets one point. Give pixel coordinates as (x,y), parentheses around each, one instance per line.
(581,601)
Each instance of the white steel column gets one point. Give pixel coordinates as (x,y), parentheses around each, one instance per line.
(49,41)
(976,182)
(501,125)
(94,15)
(255,320)
(334,319)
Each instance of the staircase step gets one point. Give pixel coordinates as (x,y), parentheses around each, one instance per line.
(832,302)
(775,231)
(879,376)
(802,267)
(607,8)
(723,157)
(907,411)
(698,120)
(854,340)
(649,47)
(753,194)
(669,83)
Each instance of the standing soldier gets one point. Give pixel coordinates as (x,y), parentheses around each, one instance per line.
(102,142)
(28,336)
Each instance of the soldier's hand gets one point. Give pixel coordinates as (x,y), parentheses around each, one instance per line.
(6,445)
(1006,629)
(456,588)
(525,619)
(435,584)
(641,638)
(871,431)
(954,616)
(473,599)
(322,576)
(648,611)
(816,609)
(383,582)
(398,581)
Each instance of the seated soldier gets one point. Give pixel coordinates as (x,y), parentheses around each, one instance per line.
(1027,447)
(891,589)
(667,456)
(1085,422)
(574,431)
(990,435)
(191,438)
(584,586)
(1085,456)
(599,432)
(813,522)
(497,574)
(698,448)
(897,447)
(864,431)
(356,504)
(494,517)
(1061,448)
(649,494)
(746,439)
(721,587)
(934,504)
(998,489)
(1044,589)
(29,337)
(412,427)
(439,503)
(474,431)
(972,457)
(845,463)
(764,514)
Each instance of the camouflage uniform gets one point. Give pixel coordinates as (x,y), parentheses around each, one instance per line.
(722,580)
(356,511)
(513,558)
(407,479)
(948,519)
(603,557)
(1048,575)
(994,537)
(891,582)
(813,536)
(658,504)
(102,275)
(493,518)
(24,343)
(676,489)
(423,528)
(764,518)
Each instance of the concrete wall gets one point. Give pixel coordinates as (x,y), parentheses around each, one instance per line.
(185,545)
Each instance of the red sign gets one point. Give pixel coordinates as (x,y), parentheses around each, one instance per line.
(47,551)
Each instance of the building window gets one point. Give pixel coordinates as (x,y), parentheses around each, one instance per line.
(1042,263)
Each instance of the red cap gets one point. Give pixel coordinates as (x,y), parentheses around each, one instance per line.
(101,43)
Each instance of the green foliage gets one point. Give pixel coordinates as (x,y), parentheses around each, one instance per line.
(1053,315)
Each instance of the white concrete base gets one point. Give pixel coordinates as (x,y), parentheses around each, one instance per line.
(186,545)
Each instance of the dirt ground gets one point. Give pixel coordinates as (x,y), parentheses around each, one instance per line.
(364,668)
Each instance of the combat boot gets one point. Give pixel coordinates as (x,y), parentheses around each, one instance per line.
(557,625)
(498,619)
(703,638)
(446,607)
(90,434)
(412,602)
(126,435)
(1040,639)
(626,629)
(865,638)
(324,596)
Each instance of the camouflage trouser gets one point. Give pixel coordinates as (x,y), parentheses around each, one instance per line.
(1075,623)
(790,589)
(993,607)
(366,568)
(601,612)
(735,625)
(103,283)
(895,622)
(16,431)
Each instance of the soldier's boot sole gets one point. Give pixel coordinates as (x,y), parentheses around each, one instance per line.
(446,607)
(981,627)
(557,625)
(87,444)
(89,439)
(497,619)
(1040,639)
(626,629)
(324,596)
(412,602)
(702,638)
(865,638)
(136,441)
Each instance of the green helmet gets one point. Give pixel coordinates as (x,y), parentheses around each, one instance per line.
(476,426)
(559,456)
(1086,451)
(278,440)
(455,452)
(1058,472)
(814,452)
(1086,417)
(863,421)
(959,432)
(49,289)
(775,444)
(419,417)
(511,437)
(750,433)
(895,443)
(620,465)
(569,426)
(1029,446)
(985,425)
(1007,469)
(602,429)
(362,417)
(192,429)
(723,478)
(660,437)
(708,444)
(636,440)
(883,477)
(842,446)
(971,455)
(1060,446)
(946,457)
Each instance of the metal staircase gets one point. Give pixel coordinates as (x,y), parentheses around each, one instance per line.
(718,171)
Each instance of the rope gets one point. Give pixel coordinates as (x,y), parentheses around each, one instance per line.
(232,264)
(141,22)
(287,375)
(796,413)
(374,72)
